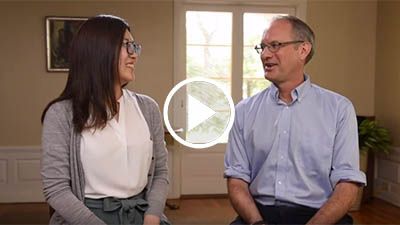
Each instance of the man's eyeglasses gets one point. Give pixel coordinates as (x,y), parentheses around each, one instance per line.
(132,48)
(274,46)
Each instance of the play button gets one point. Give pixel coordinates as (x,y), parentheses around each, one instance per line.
(198,113)
(202,109)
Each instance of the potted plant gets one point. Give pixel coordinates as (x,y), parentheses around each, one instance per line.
(371,137)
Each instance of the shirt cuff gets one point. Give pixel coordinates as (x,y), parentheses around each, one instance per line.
(355,176)
(234,173)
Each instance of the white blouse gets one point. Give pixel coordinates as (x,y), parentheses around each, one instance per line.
(116,160)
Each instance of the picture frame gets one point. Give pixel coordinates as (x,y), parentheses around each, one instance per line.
(59,35)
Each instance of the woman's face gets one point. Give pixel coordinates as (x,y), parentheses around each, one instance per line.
(127,62)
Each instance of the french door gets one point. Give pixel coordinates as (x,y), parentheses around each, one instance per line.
(215,42)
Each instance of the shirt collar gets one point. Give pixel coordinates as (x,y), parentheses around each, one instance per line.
(297,94)
(303,88)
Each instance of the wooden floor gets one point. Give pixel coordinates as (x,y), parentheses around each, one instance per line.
(198,211)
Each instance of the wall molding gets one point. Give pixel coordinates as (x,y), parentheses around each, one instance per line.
(25,148)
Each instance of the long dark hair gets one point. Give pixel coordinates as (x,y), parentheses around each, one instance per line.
(93,71)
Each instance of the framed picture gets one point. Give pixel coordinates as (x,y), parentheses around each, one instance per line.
(59,34)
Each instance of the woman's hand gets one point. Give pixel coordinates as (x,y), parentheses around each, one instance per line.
(151,220)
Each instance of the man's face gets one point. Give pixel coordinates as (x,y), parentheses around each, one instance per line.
(285,64)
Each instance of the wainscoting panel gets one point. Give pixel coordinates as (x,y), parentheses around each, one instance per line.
(3,171)
(27,171)
(387,180)
(20,179)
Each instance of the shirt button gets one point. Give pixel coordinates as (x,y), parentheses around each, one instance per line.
(286,107)
(279,182)
(282,157)
(284,132)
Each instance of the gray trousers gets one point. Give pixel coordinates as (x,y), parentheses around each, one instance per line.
(128,211)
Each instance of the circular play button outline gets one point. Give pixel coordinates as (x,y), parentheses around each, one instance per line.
(171,130)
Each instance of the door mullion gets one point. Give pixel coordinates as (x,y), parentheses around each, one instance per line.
(237,55)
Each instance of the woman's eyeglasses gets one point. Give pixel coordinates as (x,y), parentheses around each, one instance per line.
(133,48)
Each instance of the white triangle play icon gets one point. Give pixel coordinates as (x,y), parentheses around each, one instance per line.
(197,113)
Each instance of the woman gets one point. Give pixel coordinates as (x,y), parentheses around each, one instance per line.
(104,157)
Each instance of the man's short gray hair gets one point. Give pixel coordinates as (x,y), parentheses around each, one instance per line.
(300,31)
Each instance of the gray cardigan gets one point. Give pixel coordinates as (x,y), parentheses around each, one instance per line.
(62,171)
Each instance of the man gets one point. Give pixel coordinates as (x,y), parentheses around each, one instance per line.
(292,155)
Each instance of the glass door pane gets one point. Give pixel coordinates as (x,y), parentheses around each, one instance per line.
(254,25)
(208,55)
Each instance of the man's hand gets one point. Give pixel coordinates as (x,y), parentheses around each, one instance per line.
(151,220)
(337,205)
(242,201)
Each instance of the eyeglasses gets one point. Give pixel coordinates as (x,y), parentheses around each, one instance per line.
(274,46)
(132,48)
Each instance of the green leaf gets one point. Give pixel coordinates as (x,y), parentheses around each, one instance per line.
(373,136)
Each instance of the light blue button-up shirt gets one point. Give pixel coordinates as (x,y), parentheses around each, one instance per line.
(294,152)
